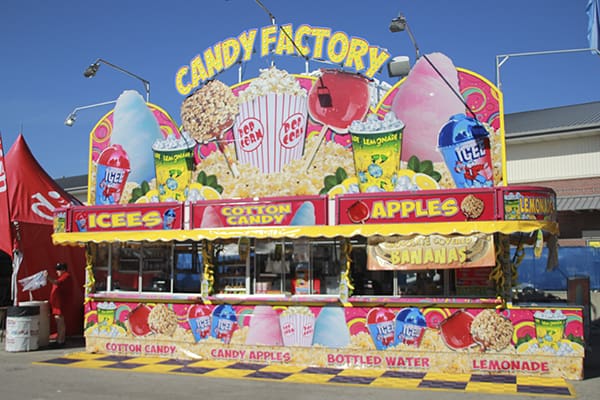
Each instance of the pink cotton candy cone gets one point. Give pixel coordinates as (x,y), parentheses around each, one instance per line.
(210,218)
(424,102)
(264,327)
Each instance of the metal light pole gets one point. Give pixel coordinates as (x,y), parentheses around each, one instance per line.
(503,58)
(70,120)
(93,69)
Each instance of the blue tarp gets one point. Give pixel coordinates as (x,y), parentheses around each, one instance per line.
(572,262)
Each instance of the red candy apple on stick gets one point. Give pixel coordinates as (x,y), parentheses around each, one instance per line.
(358,212)
(138,321)
(335,100)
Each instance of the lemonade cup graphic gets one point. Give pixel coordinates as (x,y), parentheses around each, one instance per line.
(377,158)
(512,206)
(549,328)
(106,316)
(173,167)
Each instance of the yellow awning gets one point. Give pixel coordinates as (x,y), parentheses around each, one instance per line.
(293,232)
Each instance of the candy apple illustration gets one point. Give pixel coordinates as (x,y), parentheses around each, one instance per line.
(358,212)
(138,321)
(456,330)
(335,100)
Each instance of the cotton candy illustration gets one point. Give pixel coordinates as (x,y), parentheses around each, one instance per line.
(305,215)
(210,218)
(424,102)
(135,129)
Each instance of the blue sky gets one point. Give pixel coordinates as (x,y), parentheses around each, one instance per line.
(45,47)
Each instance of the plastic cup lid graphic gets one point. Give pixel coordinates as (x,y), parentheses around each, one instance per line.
(461,128)
(411,316)
(225,311)
(377,316)
(114,156)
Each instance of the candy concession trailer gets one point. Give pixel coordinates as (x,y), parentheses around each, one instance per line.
(292,219)
(283,292)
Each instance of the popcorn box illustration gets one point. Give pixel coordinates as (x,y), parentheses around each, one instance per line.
(297,326)
(270,129)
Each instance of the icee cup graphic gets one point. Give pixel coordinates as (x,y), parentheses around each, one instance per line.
(465,145)
(270,129)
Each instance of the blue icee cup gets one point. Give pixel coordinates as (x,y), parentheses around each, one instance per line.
(465,145)
(224,323)
(410,326)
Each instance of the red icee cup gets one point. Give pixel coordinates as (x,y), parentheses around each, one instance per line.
(111,175)
(270,131)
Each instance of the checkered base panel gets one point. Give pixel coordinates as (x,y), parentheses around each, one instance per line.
(494,384)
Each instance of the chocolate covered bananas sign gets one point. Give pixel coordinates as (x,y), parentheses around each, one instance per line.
(430,252)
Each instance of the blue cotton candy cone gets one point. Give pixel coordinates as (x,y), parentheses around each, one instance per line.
(305,215)
(331,329)
(135,128)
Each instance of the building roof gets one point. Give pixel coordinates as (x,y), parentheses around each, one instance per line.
(574,203)
(572,118)
(72,182)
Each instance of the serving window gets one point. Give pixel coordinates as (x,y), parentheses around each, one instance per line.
(296,267)
(284,267)
(136,267)
(188,267)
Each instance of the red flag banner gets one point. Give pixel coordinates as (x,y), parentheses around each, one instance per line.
(5,223)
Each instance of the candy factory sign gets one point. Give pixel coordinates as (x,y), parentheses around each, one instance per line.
(279,135)
(337,47)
